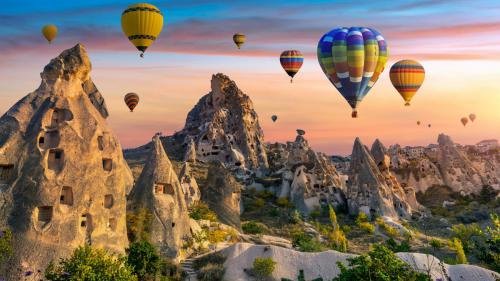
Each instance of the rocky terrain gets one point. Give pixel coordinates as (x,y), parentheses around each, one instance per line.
(63,175)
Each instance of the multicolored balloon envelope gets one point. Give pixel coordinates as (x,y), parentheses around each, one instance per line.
(49,32)
(142,23)
(352,59)
(239,39)
(131,100)
(291,61)
(407,76)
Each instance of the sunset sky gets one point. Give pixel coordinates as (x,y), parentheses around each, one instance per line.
(457,42)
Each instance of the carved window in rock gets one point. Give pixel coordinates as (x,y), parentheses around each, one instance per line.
(108,201)
(6,171)
(85,220)
(66,197)
(164,188)
(59,116)
(107,164)
(56,159)
(45,214)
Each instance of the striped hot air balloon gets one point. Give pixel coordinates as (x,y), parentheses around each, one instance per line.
(131,100)
(142,23)
(352,59)
(239,39)
(291,61)
(407,76)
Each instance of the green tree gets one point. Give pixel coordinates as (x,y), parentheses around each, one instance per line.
(5,245)
(263,267)
(143,259)
(459,250)
(201,211)
(89,264)
(139,224)
(380,264)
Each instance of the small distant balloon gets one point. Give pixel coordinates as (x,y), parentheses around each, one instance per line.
(131,100)
(142,24)
(407,76)
(472,117)
(291,61)
(464,120)
(239,39)
(49,32)
(418,123)
(274,118)
(429,125)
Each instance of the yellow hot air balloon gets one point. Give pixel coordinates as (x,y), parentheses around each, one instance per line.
(49,31)
(131,100)
(142,23)
(239,39)
(407,76)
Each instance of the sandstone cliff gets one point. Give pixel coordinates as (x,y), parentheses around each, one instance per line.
(62,169)
(158,190)
(189,185)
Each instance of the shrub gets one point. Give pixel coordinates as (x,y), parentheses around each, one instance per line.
(139,224)
(362,217)
(333,217)
(436,244)
(315,214)
(201,211)
(259,203)
(337,240)
(306,243)
(380,264)
(389,230)
(143,259)
(5,245)
(211,272)
(216,258)
(466,233)
(404,246)
(87,263)
(284,202)
(217,236)
(457,246)
(263,267)
(367,227)
(295,217)
(253,227)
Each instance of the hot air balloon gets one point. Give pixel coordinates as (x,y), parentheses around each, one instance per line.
(407,76)
(464,120)
(472,117)
(49,32)
(429,125)
(291,61)
(239,39)
(274,118)
(142,23)
(418,123)
(131,100)
(352,59)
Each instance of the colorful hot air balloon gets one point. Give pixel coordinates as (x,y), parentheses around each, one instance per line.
(418,123)
(131,100)
(291,61)
(49,32)
(274,118)
(352,59)
(407,76)
(464,120)
(239,39)
(472,117)
(142,23)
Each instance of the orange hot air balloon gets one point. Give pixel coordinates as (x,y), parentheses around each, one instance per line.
(418,123)
(131,100)
(464,120)
(49,32)
(429,125)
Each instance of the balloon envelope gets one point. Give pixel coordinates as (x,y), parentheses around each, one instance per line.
(131,100)
(239,39)
(291,61)
(464,120)
(274,118)
(418,123)
(407,76)
(352,59)
(142,23)
(49,32)
(472,117)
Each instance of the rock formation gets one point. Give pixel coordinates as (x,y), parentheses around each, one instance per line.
(158,190)
(222,193)
(372,191)
(309,179)
(62,169)
(189,185)
(224,127)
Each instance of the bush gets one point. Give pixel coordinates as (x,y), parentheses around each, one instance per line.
(211,272)
(362,217)
(87,264)
(259,203)
(263,267)
(404,246)
(143,259)
(216,258)
(201,211)
(436,244)
(295,217)
(367,227)
(283,202)
(253,227)
(466,233)
(389,230)
(305,243)
(457,246)
(315,214)
(337,240)
(139,225)
(380,264)
(5,245)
